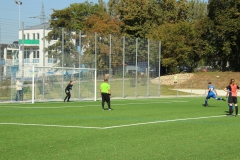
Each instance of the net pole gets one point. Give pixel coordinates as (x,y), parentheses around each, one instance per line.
(33,84)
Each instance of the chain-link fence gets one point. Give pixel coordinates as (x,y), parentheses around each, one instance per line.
(132,65)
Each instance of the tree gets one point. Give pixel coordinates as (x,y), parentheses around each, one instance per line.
(138,16)
(197,10)
(223,33)
(103,24)
(180,43)
(71,19)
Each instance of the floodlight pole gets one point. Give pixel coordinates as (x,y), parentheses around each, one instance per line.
(19,3)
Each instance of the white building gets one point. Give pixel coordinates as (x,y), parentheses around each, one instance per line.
(32,40)
(18,64)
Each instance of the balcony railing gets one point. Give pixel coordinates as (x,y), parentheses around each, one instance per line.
(26,60)
(29,60)
(36,60)
(2,61)
(52,60)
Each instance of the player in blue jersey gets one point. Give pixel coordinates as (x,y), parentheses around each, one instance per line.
(212,93)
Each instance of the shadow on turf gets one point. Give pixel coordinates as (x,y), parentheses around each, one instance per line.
(209,106)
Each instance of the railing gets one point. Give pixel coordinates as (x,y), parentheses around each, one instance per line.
(2,62)
(52,60)
(35,60)
(26,60)
(9,62)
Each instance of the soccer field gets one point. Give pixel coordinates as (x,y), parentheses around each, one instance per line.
(161,128)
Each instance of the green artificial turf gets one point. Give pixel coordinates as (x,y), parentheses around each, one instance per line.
(161,128)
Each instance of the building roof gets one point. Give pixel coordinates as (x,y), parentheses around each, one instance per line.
(39,26)
(13,46)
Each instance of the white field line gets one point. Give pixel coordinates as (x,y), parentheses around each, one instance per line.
(110,127)
(35,107)
(162,121)
(49,125)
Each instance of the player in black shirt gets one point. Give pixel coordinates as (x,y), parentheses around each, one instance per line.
(67,91)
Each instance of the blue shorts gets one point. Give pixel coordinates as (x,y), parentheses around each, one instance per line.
(211,95)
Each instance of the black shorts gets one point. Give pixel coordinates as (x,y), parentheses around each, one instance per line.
(105,97)
(232,99)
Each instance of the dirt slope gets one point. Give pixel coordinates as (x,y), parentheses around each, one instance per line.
(200,80)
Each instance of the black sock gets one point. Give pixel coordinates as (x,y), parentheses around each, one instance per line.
(236,110)
(109,105)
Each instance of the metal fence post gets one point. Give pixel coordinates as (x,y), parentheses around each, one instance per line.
(43,61)
(62,58)
(136,70)
(148,69)
(79,63)
(95,59)
(110,58)
(23,38)
(123,87)
(159,70)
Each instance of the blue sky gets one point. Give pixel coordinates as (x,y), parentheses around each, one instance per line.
(9,15)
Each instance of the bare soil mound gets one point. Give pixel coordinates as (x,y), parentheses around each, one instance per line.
(170,79)
(200,80)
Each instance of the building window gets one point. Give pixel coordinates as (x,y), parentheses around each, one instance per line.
(9,54)
(35,53)
(1,51)
(33,36)
(28,36)
(27,53)
(38,36)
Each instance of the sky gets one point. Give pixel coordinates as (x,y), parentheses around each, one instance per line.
(10,11)
(9,15)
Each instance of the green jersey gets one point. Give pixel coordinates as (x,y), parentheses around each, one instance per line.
(104,87)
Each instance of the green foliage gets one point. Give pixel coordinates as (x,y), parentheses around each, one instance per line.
(222,34)
(138,16)
(190,31)
(197,10)
(179,44)
(71,19)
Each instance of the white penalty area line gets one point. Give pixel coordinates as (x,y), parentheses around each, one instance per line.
(93,105)
(162,121)
(111,127)
(49,125)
